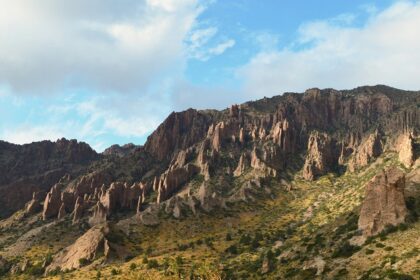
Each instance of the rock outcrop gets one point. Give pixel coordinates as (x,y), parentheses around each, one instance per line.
(405,148)
(320,156)
(242,165)
(172,180)
(52,203)
(99,215)
(34,205)
(384,202)
(88,247)
(260,166)
(78,209)
(366,152)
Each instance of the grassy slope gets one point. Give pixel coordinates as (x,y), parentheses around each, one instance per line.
(200,243)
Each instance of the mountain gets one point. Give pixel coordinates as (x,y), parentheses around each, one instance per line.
(323,184)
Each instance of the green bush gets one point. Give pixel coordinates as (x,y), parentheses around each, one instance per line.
(379,245)
(228,237)
(133,266)
(232,249)
(83,262)
(345,250)
(152,264)
(245,239)
(369,251)
(393,275)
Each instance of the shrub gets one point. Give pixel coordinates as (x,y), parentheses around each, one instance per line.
(36,270)
(182,247)
(152,264)
(245,239)
(133,266)
(114,271)
(379,245)
(345,250)
(145,260)
(369,251)
(228,237)
(83,262)
(392,274)
(232,250)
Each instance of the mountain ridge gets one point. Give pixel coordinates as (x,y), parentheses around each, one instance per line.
(286,152)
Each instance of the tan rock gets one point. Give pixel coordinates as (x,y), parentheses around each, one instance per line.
(242,165)
(366,152)
(261,166)
(61,212)
(78,209)
(384,202)
(241,136)
(89,246)
(34,205)
(319,158)
(317,263)
(173,180)
(52,203)
(405,148)
(99,214)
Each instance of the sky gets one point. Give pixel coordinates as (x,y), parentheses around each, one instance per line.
(110,71)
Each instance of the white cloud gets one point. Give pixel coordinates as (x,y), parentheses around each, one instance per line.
(222,47)
(200,46)
(107,45)
(27,134)
(331,53)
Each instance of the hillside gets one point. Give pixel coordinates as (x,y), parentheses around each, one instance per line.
(323,184)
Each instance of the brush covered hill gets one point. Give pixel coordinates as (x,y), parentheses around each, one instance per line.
(319,185)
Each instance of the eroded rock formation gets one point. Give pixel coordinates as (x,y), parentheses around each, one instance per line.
(384,202)
(405,148)
(366,152)
(52,203)
(320,156)
(88,247)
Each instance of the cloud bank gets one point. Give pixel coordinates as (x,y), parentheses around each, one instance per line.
(334,53)
(120,46)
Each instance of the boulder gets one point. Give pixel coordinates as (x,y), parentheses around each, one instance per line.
(87,247)
(384,202)
(317,263)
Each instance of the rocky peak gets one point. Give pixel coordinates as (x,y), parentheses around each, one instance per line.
(178,131)
(120,151)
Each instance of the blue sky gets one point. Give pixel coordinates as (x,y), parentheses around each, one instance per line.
(108,72)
